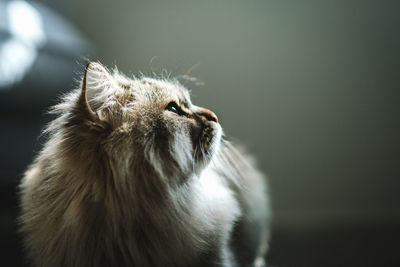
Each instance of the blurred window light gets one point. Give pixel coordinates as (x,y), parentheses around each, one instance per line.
(25,22)
(15,59)
(18,53)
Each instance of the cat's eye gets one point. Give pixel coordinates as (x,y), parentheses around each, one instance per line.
(172,106)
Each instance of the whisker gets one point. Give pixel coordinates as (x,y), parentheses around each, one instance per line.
(202,151)
(194,158)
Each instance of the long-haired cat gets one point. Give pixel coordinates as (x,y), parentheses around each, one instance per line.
(134,174)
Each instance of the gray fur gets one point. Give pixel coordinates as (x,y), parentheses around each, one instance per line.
(124,182)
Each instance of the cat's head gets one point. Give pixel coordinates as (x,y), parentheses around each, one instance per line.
(148,120)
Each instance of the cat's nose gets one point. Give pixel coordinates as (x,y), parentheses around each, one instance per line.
(208,114)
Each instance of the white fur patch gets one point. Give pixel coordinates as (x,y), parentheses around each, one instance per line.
(218,197)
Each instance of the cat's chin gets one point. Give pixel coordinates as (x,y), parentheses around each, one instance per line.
(208,144)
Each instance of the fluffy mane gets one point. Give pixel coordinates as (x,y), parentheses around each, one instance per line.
(124,180)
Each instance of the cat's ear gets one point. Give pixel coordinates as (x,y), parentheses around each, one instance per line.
(96,86)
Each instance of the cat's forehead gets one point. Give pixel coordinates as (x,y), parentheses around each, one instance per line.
(161,91)
(155,90)
(166,87)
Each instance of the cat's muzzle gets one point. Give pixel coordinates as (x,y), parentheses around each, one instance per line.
(207,142)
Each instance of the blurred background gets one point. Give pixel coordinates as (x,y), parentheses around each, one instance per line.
(311,88)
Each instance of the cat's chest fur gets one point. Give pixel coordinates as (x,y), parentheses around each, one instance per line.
(216,197)
(197,225)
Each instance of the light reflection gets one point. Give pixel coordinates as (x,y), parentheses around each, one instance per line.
(25,22)
(15,59)
(18,53)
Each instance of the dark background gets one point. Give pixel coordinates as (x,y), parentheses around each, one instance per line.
(311,88)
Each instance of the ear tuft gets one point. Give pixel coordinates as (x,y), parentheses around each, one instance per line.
(97,83)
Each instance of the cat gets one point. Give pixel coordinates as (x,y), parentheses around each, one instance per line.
(134,174)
